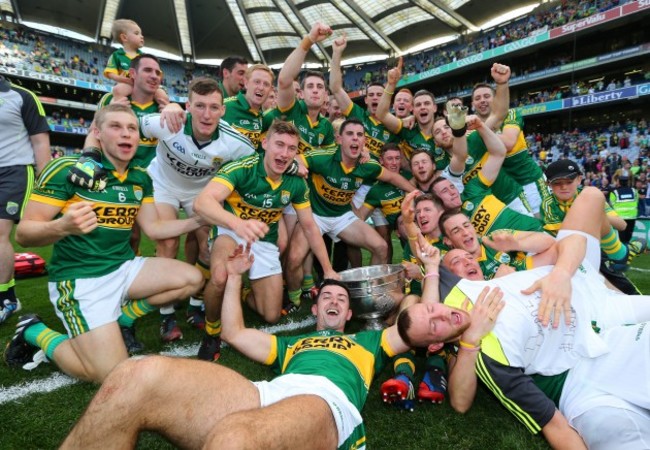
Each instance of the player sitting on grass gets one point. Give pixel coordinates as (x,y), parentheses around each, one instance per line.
(94,275)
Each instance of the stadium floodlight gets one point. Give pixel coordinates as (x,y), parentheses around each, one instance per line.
(183,26)
(110,13)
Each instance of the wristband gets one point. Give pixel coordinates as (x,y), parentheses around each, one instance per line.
(413,238)
(306,43)
(430,274)
(388,92)
(469,347)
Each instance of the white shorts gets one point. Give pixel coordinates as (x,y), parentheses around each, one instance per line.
(88,303)
(378,218)
(290,210)
(163,194)
(332,226)
(617,384)
(360,196)
(267,256)
(347,417)
(592,254)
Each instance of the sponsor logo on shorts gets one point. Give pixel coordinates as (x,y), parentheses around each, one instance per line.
(12,208)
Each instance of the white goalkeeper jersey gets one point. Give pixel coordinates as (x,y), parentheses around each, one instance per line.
(183,164)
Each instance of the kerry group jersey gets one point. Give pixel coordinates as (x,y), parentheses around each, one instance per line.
(243,118)
(332,184)
(350,361)
(119,63)
(415,139)
(146,146)
(487,213)
(491,259)
(105,248)
(312,134)
(376,133)
(553,211)
(255,196)
(387,198)
(182,163)
(519,165)
(503,187)
(415,286)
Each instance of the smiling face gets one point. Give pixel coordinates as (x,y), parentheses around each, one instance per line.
(332,308)
(442,134)
(314,91)
(448,193)
(460,233)
(280,150)
(403,104)
(147,77)
(391,160)
(463,264)
(482,101)
(422,167)
(435,323)
(206,112)
(258,86)
(119,135)
(426,216)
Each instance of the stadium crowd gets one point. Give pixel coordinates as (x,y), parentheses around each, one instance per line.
(505,238)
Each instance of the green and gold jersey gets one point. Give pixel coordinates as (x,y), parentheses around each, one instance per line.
(487,213)
(553,211)
(332,185)
(415,286)
(255,196)
(243,118)
(119,63)
(504,188)
(490,261)
(105,248)
(387,198)
(350,361)
(415,139)
(146,151)
(376,133)
(519,165)
(312,134)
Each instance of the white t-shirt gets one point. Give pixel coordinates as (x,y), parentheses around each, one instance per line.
(182,163)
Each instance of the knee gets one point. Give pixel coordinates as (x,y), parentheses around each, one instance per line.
(593,194)
(194,280)
(380,247)
(272,317)
(132,379)
(228,433)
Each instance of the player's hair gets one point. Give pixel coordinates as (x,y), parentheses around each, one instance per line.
(282,127)
(482,85)
(445,217)
(135,62)
(100,115)
(332,282)
(454,98)
(252,68)
(350,121)
(389,146)
(204,86)
(436,181)
(422,92)
(312,73)
(374,83)
(429,197)
(404,323)
(121,26)
(336,124)
(230,62)
(405,90)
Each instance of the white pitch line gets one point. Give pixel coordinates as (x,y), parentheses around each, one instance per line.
(638,269)
(58,380)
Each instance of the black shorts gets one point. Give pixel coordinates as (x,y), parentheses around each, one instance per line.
(16,183)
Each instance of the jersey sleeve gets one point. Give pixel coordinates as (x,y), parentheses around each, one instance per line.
(33,113)
(228,175)
(372,200)
(52,187)
(151,128)
(112,66)
(517,392)
(513,120)
(300,197)
(372,171)
(355,111)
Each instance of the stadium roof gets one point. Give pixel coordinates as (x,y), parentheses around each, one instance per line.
(267,30)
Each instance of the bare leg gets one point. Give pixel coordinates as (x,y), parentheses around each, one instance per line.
(363,235)
(297,253)
(213,293)
(267,297)
(141,395)
(303,421)
(163,280)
